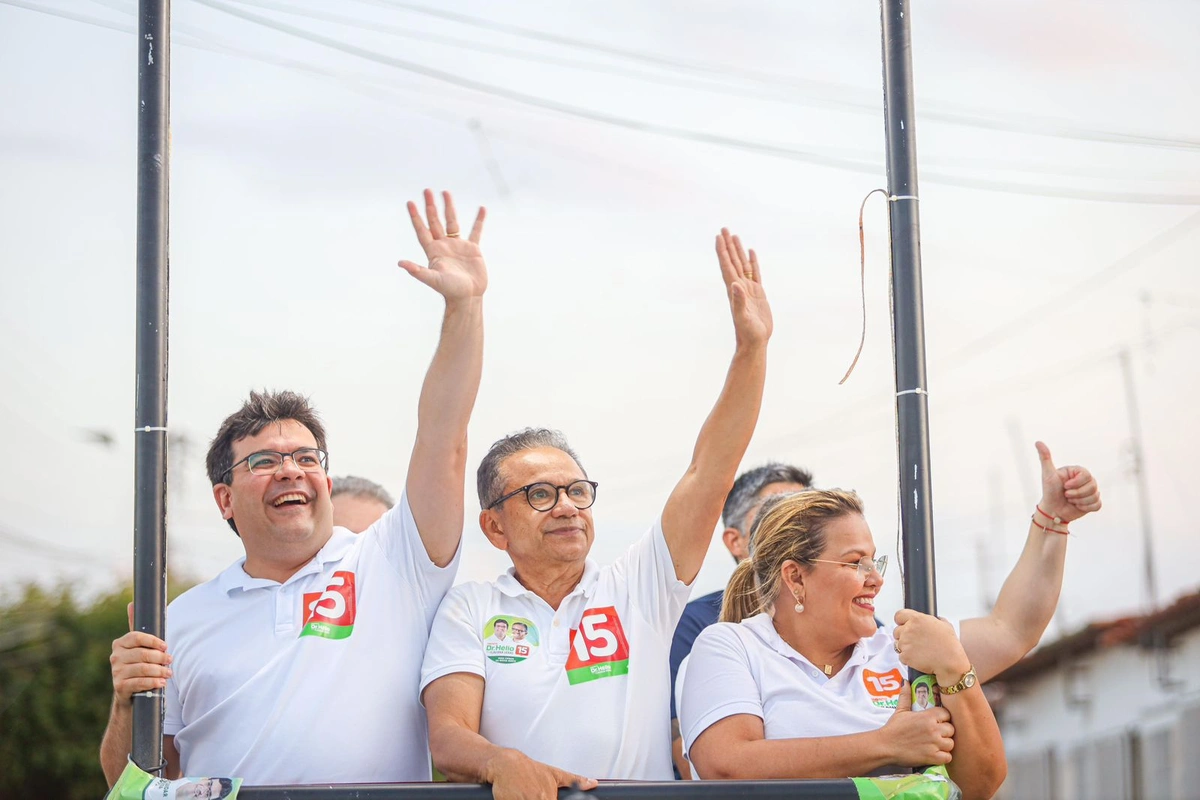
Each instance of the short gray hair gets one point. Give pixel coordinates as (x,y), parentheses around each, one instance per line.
(745,490)
(488,480)
(361,487)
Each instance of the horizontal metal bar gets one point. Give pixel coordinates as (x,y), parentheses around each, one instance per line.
(608,790)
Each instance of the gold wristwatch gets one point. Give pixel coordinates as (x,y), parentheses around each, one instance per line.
(965,682)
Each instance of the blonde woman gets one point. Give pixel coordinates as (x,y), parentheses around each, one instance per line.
(798,682)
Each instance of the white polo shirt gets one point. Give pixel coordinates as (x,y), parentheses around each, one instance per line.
(313,680)
(589,690)
(748,668)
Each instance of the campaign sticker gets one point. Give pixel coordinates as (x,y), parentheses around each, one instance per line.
(330,614)
(599,648)
(509,640)
(883,687)
(192,789)
(925,694)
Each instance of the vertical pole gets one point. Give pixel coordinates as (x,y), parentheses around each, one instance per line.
(912,407)
(150,415)
(1139,473)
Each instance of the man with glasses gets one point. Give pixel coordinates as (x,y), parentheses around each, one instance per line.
(296,664)
(589,701)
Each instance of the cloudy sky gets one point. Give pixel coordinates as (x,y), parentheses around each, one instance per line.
(1060,210)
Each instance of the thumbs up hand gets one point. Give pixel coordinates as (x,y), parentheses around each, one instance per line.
(1067,492)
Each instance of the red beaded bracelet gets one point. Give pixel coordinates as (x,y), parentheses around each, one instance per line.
(1055,520)
(1045,529)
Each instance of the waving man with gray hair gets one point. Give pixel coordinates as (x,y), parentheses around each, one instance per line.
(582,696)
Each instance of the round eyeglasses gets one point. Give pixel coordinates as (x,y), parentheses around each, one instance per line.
(863,565)
(268,462)
(544,496)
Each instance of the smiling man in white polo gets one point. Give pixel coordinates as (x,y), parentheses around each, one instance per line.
(296,664)
(589,699)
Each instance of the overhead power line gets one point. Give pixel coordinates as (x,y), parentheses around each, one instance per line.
(701,84)
(779,151)
(834,93)
(45,548)
(702,137)
(1077,291)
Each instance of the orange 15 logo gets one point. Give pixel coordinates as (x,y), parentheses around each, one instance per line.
(598,647)
(330,614)
(883,687)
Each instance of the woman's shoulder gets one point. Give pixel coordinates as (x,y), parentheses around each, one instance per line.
(744,635)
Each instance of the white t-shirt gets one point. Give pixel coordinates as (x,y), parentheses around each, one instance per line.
(313,680)
(748,668)
(592,695)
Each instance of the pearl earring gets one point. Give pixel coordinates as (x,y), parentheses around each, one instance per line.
(799,606)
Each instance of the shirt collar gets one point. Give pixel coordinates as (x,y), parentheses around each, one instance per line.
(762,627)
(235,577)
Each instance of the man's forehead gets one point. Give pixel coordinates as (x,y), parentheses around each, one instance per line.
(541,463)
(285,436)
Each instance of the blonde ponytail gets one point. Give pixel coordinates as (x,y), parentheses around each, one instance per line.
(741,595)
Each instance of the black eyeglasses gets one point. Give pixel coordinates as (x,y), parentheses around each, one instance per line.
(544,496)
(268,462)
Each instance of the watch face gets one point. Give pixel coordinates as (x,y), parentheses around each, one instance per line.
(968,680)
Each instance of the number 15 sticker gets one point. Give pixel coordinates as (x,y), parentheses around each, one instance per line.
(599,648)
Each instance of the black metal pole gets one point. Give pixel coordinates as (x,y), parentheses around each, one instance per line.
(912,407)
(150,415)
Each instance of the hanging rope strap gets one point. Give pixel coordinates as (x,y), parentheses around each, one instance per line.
(862,281)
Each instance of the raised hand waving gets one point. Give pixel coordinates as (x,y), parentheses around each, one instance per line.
(456,269)
(752,322)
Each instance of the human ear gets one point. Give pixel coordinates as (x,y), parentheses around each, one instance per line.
(793,577)
(489,523)
(735,543)
(223,495)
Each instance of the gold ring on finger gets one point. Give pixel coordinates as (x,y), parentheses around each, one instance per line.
(452,235)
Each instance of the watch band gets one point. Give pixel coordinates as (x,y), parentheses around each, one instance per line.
(965,682)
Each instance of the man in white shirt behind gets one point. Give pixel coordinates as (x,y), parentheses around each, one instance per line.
(591,698)
(300,662)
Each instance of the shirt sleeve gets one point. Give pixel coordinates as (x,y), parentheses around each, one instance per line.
(173,715)
(455,642)
(172,707)
(649,572)
(693,621)
(398,538)
(719,683)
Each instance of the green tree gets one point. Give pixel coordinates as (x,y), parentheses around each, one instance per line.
(55,691)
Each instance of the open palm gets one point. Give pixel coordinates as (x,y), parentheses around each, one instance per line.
(456,268)
(752,321)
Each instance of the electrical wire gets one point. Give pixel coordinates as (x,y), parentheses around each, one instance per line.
(1076,291)
(702,137)
(835,93)
(706,85)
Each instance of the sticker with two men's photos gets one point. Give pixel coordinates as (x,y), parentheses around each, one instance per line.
(509,640)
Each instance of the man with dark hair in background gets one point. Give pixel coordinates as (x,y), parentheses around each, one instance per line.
(295,665)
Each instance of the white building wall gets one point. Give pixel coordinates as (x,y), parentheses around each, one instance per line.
(1120,722)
